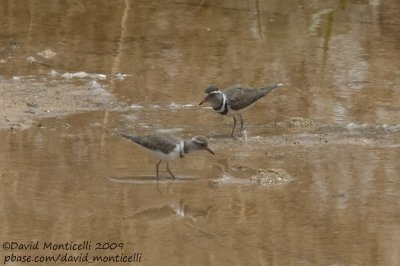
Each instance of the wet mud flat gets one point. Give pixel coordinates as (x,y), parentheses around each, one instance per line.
(25,101)
(289,190)
(286,189)
(314,179)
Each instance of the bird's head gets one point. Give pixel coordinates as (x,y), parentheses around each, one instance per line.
(212,95)
(201,143)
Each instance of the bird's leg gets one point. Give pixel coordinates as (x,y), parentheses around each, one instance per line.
(157,165)
(173,177)
(241,122)
(234,125)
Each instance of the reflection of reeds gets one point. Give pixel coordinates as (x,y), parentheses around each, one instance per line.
(259,21)
(316,24)
(116,63)
(201,5)
(316,20)
(119,51)
(327,37)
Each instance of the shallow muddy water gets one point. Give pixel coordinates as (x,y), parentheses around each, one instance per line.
(75,73)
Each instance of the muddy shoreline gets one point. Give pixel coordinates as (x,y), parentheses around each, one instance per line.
(24,103)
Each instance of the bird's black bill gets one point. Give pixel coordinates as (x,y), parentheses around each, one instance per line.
(210,151)
(204,100)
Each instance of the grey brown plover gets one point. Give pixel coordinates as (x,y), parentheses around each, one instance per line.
(234,100)
(167,147)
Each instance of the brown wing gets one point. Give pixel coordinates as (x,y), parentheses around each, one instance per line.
(161,142)
(241,97)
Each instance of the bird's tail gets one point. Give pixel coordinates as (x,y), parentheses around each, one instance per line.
(130,137)
(268,89)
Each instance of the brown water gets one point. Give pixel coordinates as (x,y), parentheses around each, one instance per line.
(71,179)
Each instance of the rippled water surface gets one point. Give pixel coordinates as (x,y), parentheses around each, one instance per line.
(333,129)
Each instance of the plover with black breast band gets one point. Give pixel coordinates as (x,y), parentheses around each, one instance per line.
(167,147)
(234,100)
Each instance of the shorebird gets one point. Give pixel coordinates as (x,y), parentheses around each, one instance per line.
(233,101)
(167,147)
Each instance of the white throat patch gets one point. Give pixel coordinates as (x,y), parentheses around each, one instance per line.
(220,110)
(182,149)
